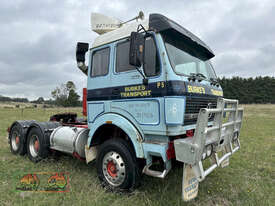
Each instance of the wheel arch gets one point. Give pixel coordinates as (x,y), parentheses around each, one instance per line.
(115,126)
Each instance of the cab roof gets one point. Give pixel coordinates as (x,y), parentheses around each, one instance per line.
(162,24)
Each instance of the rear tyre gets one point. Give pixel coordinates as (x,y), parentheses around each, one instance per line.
(16,140)
(116,166)
(36,149)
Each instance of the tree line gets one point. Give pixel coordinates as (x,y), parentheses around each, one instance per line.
(64,95)
(9,99)
(259,90)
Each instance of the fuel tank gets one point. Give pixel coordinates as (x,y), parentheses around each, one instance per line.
(69,140)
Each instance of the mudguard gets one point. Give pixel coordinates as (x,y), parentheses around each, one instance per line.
(46,129)
(24,124)
(135,136)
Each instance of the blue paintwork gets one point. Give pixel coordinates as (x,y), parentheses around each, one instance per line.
(134,106)
(121,122)
(144,120)
(94,110)
(159,150)
(155,150)
(174,110)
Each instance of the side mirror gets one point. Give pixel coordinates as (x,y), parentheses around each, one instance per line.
(136,53)
(81,49)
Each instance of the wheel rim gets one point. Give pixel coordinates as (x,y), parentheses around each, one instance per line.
(113,168)
(34,146)
(15,141)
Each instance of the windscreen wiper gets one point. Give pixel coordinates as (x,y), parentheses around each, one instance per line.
(192,76)
(198,76)
(214,82)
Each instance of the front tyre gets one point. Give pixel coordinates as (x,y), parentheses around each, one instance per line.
(116,165)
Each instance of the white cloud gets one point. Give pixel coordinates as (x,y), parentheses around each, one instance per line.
(38,38)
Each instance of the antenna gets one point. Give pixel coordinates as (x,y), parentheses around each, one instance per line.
(140,16)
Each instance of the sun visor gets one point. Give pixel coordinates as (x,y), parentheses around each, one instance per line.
(196,47)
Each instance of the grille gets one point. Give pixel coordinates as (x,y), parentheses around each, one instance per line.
(193,106)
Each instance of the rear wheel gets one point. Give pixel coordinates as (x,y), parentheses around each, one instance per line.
(17,145)
(116,166)
(35,148)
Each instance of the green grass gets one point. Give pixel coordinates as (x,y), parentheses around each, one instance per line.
(249,179)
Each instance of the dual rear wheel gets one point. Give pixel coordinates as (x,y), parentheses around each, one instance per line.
(33,145)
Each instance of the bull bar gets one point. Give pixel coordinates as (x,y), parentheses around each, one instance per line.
(221,137)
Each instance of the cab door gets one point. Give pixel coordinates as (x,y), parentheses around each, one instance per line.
(138,102)
(98,83)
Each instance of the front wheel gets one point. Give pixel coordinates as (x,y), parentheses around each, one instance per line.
(116,165)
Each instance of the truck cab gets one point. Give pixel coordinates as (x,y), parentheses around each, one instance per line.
(179,80)
(163,95)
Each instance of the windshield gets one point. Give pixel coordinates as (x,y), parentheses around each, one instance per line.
(184,63)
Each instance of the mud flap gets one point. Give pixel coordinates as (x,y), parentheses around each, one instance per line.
(90,153)
(190,184)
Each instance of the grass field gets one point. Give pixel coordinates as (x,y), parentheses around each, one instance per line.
(249,179)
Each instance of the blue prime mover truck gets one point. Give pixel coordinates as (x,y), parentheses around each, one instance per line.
(152,98)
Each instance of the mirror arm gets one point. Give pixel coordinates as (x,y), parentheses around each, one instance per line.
(82,67)
(141,28)
(145,81)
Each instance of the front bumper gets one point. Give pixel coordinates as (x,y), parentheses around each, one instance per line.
(222,138)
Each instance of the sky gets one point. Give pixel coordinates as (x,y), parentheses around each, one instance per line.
(38,38)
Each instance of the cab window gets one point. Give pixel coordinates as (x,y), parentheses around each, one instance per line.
(122,57)
(151,60)
(100,62)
